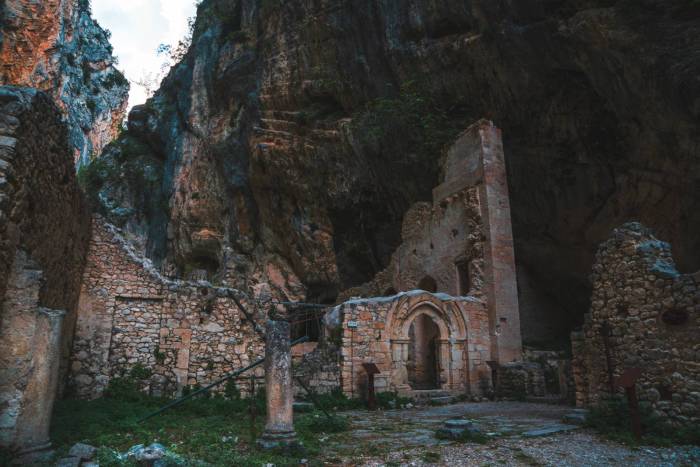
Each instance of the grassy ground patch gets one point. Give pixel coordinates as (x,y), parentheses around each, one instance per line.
(212,430)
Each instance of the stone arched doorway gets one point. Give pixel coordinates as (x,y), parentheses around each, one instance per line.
(423,367)
(428,343)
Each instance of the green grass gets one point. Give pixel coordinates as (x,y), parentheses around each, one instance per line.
(212,430)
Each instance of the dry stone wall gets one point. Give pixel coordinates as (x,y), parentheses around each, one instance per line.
(184,333)
(644,314)
(44,232)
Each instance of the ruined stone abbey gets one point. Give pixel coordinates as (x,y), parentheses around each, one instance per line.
(234,194)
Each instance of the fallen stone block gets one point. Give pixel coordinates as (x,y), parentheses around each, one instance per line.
(82,451)
(68,462)
(549,430)
(577,417)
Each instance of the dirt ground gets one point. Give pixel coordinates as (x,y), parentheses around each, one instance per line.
(406,437)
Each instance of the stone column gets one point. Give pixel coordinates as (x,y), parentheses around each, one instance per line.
(32,436)
(399,356)
(279,429)
(445,355)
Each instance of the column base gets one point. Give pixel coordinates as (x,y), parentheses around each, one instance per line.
(279,439)
(38,454)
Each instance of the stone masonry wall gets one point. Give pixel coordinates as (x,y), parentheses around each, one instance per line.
(650,313)
(377,331)
(44,232)
(186,333)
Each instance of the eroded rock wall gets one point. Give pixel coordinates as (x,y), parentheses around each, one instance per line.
(644,314)
(55,46)
(290,142)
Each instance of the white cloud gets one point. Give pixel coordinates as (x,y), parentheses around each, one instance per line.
(138,27)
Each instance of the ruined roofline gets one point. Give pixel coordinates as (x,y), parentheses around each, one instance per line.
(147,265)
(646,241)
(410,293)
(178,284)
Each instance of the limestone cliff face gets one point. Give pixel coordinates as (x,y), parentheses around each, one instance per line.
(283,152)
(55,46)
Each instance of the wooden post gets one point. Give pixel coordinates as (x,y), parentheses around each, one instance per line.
(252,409)
(371,370)
(628,380)
(633,403)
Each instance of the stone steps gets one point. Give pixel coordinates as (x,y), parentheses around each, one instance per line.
(552,400)
(432,396)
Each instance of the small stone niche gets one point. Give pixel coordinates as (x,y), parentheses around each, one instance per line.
(675,317)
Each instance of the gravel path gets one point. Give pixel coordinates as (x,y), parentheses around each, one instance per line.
(580,448)
(406,438)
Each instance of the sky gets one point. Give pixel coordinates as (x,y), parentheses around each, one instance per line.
(138,27)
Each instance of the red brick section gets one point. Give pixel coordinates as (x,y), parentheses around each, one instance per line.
(499,257)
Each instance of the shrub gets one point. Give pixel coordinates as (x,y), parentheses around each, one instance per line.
(87,72)
(411,122)
(231,390)
(115,78)
(91,105)
(391,400)
(612,419)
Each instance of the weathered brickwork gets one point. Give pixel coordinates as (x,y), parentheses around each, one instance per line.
(186,333)
(461,244)
(438,337)
(644,314)
(377,331)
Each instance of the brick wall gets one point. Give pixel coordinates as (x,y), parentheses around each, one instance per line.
(462,242)
(381,336)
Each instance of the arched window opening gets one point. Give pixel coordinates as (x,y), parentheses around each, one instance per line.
(428,284)
(464,282)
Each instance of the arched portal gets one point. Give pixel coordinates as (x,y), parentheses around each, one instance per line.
(423,353)
(428,343)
